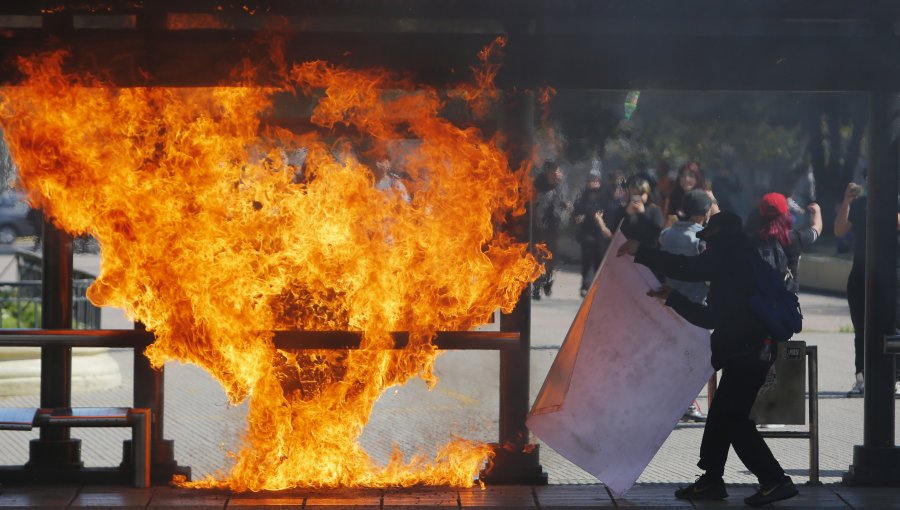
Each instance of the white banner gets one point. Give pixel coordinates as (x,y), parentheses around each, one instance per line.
(625,374)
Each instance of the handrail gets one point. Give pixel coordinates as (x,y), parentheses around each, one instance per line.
(892,344)
(25,296)
(298,340)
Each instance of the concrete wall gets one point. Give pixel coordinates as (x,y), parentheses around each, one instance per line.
(824,273)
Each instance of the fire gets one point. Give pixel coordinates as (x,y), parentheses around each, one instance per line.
(214,234)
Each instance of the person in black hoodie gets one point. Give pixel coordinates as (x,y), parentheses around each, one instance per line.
(736,341)
(591,236)
(549,207)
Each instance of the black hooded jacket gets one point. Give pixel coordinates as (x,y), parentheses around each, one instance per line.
(725,265)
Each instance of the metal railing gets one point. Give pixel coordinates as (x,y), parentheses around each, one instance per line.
(892,344)
(811,353)
(20,305)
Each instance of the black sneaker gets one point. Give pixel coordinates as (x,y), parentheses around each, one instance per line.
(536,294)
(782,489)
(706,487)
(548,289)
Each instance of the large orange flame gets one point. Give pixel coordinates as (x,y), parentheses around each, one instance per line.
(212,239)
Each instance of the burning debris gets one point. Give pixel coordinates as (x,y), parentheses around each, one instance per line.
(217,229)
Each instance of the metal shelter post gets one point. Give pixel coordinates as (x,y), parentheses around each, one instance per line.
(877,461)
(149,392)
(55,448)
(516,460)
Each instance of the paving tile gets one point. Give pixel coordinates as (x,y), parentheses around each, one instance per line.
(573,497)
(112,498)
(407,499)
(337,499)
(868,497)
(809,497)
(38,497)
(651,497)
(818,497)
(735,499)
(243,502)
(187,499)
(510,496)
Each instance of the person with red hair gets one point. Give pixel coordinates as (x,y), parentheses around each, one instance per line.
(774,229)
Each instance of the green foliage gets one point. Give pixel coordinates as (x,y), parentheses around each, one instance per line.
(18,309)
(716,129)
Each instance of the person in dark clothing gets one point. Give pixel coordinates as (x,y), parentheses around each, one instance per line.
(35,216)
(592,202)
(549,206)
(736,341)
(851,217)
(773,223)
(641,219)
(728,188)
(689,178)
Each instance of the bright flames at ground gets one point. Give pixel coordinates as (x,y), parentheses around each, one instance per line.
(211,241)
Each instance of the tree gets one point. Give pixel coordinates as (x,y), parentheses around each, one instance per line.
(769,139)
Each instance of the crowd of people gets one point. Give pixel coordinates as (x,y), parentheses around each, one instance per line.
(701,255)
(640,204)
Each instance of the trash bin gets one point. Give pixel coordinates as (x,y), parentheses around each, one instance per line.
(784,401)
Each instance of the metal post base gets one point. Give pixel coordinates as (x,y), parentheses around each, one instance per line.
(163,465)
(874,467)
(56,453)
(515,467)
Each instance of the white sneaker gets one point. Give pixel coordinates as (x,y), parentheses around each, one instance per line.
(897,389)
(859,387)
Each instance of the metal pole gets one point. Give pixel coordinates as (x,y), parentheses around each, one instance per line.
(149,392)
(881,276)
(812,354)
(140,445)
(877,461)
(55,448)
(516,461)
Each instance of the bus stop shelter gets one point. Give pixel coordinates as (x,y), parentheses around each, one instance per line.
(701,45)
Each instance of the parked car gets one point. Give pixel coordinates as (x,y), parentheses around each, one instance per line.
(14,218)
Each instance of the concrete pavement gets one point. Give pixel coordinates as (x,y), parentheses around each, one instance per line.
(552,497)
(204,426)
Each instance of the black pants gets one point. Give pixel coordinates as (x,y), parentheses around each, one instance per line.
(728,422)
(592,251)
(551,239)
(856,300)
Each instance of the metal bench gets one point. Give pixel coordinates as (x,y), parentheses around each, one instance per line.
(18,418)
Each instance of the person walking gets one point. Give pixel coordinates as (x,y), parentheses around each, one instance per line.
(736,342)
(590,236)
(549,206)
(681,239)
(851,217)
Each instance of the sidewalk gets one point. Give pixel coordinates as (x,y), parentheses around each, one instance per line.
(203,427)
(552,497)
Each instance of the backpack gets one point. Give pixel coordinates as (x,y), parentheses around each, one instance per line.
(773,301)
(774,255)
